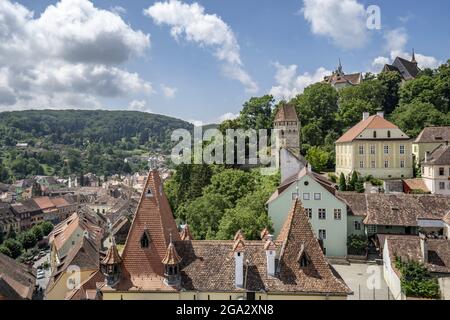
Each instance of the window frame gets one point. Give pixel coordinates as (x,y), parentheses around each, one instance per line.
(320,212)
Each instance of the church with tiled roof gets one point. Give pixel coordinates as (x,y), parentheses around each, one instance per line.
(160,262)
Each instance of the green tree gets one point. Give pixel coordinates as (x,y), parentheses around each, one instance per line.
(318,158)
(37,232)
(257,113)
(312,134)
(413,117)
(318,104)
(27,239)
(391,81)
(342,182)
(14,246)
(46,227)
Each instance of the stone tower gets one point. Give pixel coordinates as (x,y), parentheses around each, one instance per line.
(288,125)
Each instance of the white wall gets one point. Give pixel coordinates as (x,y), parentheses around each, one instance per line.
(391,278)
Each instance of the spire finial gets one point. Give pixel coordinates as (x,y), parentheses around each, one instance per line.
(413,56)
(340,72)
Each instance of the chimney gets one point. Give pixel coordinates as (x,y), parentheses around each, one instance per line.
(424,247)
(270,257)
(380,114)
(366,115)
(238,250)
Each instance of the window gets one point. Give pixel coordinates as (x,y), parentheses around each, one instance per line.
(149,193)
(441,171)
(322,234)
(372,229)
(389,134)
(306,196)
(386,149)
(357,225)
(441,185)
(373,164)
(386,163)
(361,149)
(317,196)
(309,212)
(402,163)
(374,134)
(294,196)
(372,149)
(322,214)
(145,241)
(337,214)
(361,164)
(304,260)
(402,149)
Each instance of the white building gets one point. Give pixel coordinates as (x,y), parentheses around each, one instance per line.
(436,170)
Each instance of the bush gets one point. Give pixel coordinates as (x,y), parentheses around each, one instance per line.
(5,251)
(416,280)
(333,178)
(357,244)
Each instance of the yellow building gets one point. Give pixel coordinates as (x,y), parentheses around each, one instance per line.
(375,147)
(159,264)
(428,140)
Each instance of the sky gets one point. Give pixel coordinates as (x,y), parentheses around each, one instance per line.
(200,60)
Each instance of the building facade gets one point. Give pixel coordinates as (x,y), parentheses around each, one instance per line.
(429,139)
(327,213)
(436,170)
(375,147)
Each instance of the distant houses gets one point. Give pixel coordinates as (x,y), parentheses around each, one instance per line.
(339,79)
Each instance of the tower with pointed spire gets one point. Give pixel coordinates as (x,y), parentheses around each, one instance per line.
(171,264)
(413,59)
(111,265)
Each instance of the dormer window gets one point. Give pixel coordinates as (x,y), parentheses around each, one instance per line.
(304,261)
(149,193)
(374,134)
(389,134)
(145,240)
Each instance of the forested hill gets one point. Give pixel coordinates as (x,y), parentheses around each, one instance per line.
(78,127)
(63,142)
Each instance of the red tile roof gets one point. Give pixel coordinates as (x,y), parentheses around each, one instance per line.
(172,257)
(373,122)
(143,266)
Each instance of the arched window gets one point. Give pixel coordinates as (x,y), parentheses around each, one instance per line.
(304,261)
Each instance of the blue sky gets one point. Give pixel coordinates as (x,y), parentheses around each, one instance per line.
(266,44)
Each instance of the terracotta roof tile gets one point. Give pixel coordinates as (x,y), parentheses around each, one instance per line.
(185,233)
(373,122)
(172,257)
(439,156)
(143,266)
(17,281)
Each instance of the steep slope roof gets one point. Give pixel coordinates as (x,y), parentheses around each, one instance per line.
(433,135)
(286,113)
(154,220)
(439,156)
(17,281)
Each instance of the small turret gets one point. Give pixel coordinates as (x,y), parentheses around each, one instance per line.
(171,264)
(111,265)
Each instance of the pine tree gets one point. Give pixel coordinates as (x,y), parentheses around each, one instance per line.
(342,182)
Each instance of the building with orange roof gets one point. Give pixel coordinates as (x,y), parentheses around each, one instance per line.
(157,264)
(377,147)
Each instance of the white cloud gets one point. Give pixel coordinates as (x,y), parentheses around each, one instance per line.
(119,10)
(70,56)
(344,21)
(227,116)
(207,30)
(169,92)
(395,43)
(289,83)
(138,105)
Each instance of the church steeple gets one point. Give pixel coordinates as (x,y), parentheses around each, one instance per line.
(340,71)
(413,60)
